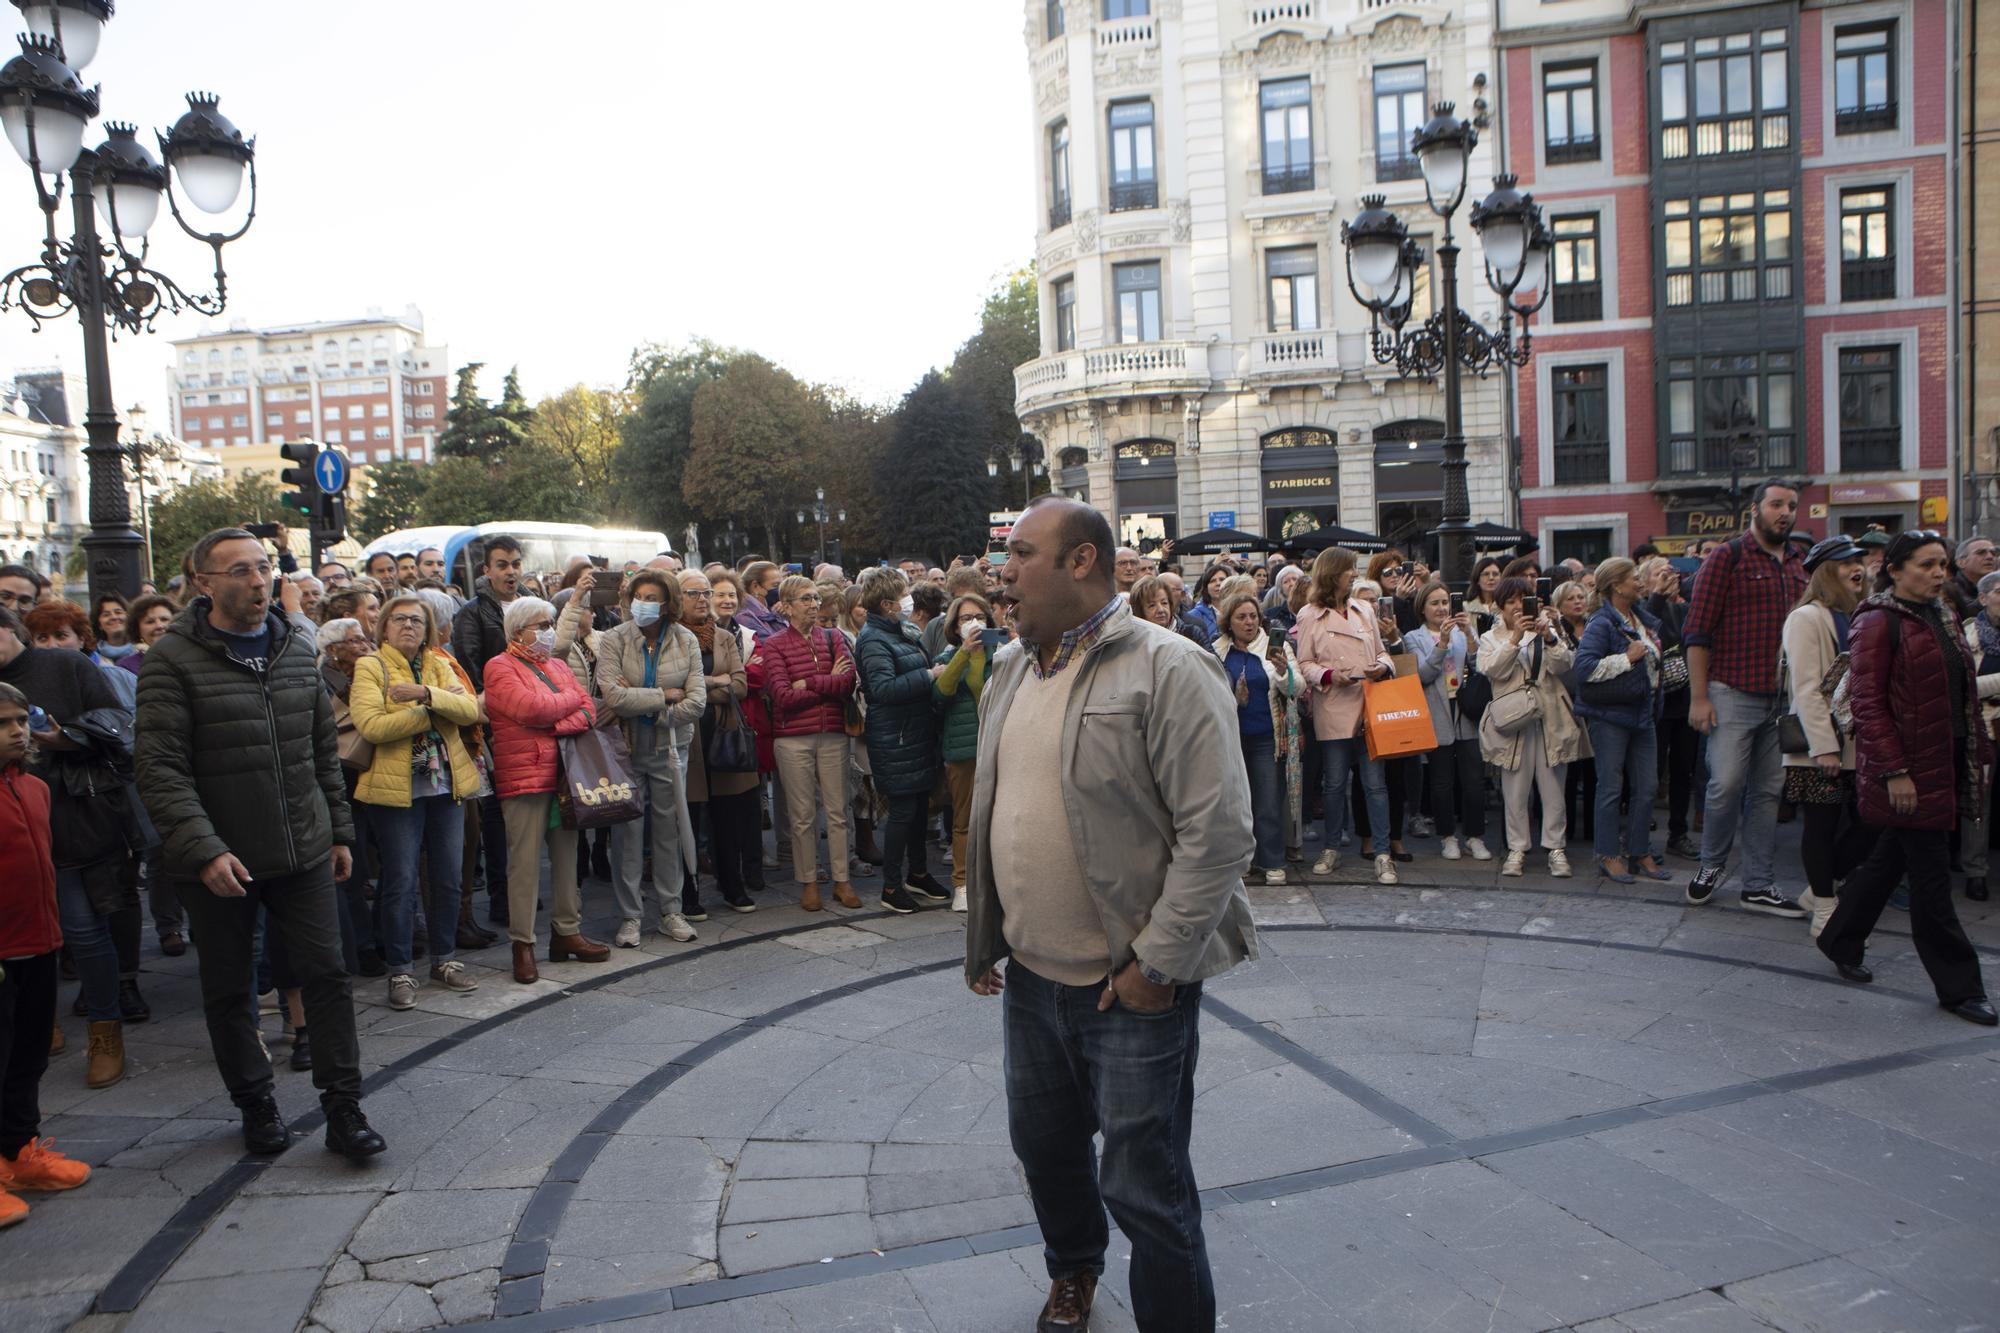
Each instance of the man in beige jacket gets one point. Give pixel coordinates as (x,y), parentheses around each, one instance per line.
(1109,836)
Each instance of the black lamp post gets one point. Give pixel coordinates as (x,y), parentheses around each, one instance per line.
(1382,265)
(1024,458)
(45,111)
(821,513)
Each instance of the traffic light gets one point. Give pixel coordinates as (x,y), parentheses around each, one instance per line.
(304,497)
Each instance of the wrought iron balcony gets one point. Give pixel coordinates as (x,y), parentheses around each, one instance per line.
(1129,195)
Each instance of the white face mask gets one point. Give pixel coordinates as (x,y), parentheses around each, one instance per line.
(545,642)
(909,604)
(968,630)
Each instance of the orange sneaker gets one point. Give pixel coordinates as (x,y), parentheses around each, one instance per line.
(12,1209)
(41,1168)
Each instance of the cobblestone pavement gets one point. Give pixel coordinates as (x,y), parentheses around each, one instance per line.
(1459,1103)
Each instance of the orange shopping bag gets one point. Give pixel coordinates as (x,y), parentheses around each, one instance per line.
(1398,721)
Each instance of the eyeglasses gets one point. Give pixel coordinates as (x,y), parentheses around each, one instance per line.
(240,572)
(685,592)
(416,622)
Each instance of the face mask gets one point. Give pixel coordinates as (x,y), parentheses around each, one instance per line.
(968,630)
(645,613)
(545,642)
(909,604)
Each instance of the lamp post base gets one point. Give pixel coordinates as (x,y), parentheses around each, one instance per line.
(115,561)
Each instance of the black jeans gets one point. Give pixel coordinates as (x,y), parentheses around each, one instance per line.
(736,841)
(493,846)
(1072,1072)
(27,1017)
(1925,856)
(299,909)
(1580,799)
(903,839)
(1680,744)
(1832,842)
(1458,790)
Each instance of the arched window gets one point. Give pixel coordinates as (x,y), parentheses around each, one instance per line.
(354,349)
(330,351)
(1145,451)
(1074,456)
(1300,437)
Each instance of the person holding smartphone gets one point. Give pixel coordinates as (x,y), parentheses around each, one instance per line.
(1523,651)
(1443,645)
(971,639)
(1340,646)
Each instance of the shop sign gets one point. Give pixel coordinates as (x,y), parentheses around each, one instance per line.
(1222,518)
(1869,493)
(1706,522)
(1300,483)
(1937,509)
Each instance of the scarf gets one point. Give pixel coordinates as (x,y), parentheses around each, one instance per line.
(111,652)
(527,654)
(704,634)
(1989,638)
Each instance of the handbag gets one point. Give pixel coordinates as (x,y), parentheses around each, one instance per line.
(1510,713)
(1396,717)
(597,780)
(1673,670)
(356,751)
(731,746)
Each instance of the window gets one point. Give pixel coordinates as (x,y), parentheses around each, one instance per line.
(379,410)
(1719,95)
(426,387)
(426,411)
(333,437)
(1569,112)
(303,415)
(1293,276)
(239,419)
(1867,263)
(48,511)
(215,423)
(1059,175)
(1581,419)
(1871,429)
(1723,406)
(1579,292)
(1127,9)
(1138,290)
(1065,301)
(1288,140)
(1864,78)
(1716,248)
(381,432)
(1399,113)
(1052,20)
(1133,184)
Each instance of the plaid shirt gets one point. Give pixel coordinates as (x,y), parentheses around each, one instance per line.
(1073,642)
(1741,598)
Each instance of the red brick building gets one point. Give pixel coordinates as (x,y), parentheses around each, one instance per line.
(1753,267)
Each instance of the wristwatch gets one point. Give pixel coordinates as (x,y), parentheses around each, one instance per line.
(1154,975)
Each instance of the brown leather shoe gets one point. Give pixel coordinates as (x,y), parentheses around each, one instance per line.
(843,893)
(809,898)
(107,1054)
(58,1043)
(524,964)
(563,948)
(1068,1307)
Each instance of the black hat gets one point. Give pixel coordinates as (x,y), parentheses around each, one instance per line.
(1873,537)
(1838,547)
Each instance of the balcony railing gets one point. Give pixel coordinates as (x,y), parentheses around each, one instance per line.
(1122,34)
(1577,302)
(1059,213)
(1307,351)
(1557,151)
(1867,279)
(1402,168)
(1284,11)
(1875,449)
(1054,59)
(1288,179)
(1123,367)
(1583,464)
(1861,119)
(1710,456)
(1129,195)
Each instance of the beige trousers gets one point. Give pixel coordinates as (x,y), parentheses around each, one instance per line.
(1518,785)
(958,779)
(814,771)
(527,819)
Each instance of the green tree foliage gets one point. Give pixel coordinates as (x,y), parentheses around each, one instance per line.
(531,482)
(848,446)
(180,519)
(931,481)
(751,429)
(657,433)
(582,425)
(395,499)
(473,428)
(982,373)
(513,405)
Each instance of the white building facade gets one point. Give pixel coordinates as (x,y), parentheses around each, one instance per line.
(43,494)
(1203,360)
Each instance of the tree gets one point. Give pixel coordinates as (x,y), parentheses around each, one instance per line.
(982,372)
(657,432)
(395,499)
(472,428)
(847,449)
(532,483)
(935,494)
(513,405)
(582,425)
(181,519)
(747,454)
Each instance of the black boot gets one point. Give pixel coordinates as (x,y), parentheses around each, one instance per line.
(302,1052)
(1975,888)
(264,1129)
(371,964)
(348,1133)
(132,1006)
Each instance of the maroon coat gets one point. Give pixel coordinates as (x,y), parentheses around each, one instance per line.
(820,707)
(1897,675)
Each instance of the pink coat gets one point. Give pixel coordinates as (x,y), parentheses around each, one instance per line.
(526,717)
(1331,647)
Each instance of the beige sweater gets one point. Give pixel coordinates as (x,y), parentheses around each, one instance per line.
(1048,917)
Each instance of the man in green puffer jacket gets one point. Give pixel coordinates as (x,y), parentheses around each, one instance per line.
(239,768)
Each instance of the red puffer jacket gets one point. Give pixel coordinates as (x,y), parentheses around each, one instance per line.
(526,716)
(1897,677)
(822,705)
(28,922)
(757,709)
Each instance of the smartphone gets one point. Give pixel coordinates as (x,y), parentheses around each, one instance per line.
(1545,588)
(604,590)
(263,531)
(1530,607)
(1409,568)
(1458,603)
(993,640)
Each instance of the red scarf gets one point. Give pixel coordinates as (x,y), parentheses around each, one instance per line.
(704,633)
(526,654)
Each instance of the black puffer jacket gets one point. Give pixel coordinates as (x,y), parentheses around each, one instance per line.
(478,636)
(229,761)
(902,721)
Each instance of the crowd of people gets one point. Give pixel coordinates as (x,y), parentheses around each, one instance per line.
(312,776)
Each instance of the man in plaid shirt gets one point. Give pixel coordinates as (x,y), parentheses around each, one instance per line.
(1736,619)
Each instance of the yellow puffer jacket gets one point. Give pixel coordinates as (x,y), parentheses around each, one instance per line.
(391,726)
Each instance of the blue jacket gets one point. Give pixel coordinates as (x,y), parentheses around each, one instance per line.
(902,718)
(1629,699)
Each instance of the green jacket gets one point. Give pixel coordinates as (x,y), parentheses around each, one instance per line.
(958,691)
(229,761)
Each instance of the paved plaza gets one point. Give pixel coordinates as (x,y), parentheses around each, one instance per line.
(1461,1103)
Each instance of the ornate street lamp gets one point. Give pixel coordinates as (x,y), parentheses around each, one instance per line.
(1024,458)
(1382,267)
(103,276)
(820,512)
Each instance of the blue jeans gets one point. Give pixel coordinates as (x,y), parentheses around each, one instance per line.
(1267,800)
(1337,757)
(1627,766)
(1072,1072)
(1746,775)
(431,828)
(90,948)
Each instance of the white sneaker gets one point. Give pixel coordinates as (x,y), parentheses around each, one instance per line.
(1274,876)
(1821,909)
(1477,846)
(1329,861)
(958,899)
(675,927)
(1385,869)
(1559,863)
(1451,852)
(628,934)
(1514,864)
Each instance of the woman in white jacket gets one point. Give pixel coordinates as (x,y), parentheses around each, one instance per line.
(1520,652)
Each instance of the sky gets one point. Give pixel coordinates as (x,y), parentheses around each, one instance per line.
(836,186)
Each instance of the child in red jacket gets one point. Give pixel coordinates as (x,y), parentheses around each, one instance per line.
(29,939)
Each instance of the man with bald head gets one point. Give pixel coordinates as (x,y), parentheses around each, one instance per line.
(1125,569)
(1110,830)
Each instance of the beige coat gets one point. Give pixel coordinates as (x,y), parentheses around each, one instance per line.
(1809,653)
(1563,738)
(621,655)
(1331,647)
